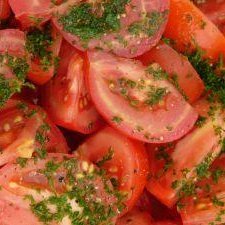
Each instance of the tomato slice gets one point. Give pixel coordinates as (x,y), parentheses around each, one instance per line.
(207,206)
(66,98)
(24,131)
(135,217)
(4,9)
(44,48)
(179,69)
(136,102)
(12,41)
(191,29)
(32,13)
(127,161)
(72,182)
(114,26)
(214,10)
(177,168)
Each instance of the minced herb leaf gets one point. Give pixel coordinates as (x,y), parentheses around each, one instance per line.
(106,157)
(213,83)
(21,161)
(155,95)
(38,43)
(89,22)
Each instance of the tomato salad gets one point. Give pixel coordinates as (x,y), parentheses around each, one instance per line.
(112,112)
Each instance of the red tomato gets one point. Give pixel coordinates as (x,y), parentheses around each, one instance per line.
(19,129)
(207,207)
(12,41)
(181,163)
(214,10)
(191,29)
(135,217)
(4,9)
(166,223)
(132,33)
(66,98)
(37,73)
(24,181)
(178,68)
(127,163)
(32,13)
(133,101)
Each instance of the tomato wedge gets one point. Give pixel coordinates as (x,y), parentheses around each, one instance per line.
(32,13)
(4,9)
(113,25)
(124,160)
(135,101)
(177,168)
(179,69)
(70,185)
(191,29)
(66,98)
(207,206)
(135,217)
(44,46)
(24,130)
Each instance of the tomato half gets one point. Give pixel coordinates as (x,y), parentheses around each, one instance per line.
(179,69)
(24,130)
(113,26)
(177,167)
(66,98)
(70,186)
(44,48)
(136,102)
(190,29)
(127,162)
(4,9)
(134,217)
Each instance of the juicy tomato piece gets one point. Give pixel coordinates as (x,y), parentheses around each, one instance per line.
(176,168)
(24,130)
(134,217)
(214,10)
(12,41)
(32,13)
(70,179)
(207,207)
(166,222)
(191,29)
(178,68)
(124,160)
(135,102)
(113,25)
(66,98)
(44,47)
(4,9)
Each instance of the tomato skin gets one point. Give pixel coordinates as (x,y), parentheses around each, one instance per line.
(190,28)
(134,217)
(184,157)
(129,163)
(37,74)
(4,9)
(67,91)
(104,74)
(176,64)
